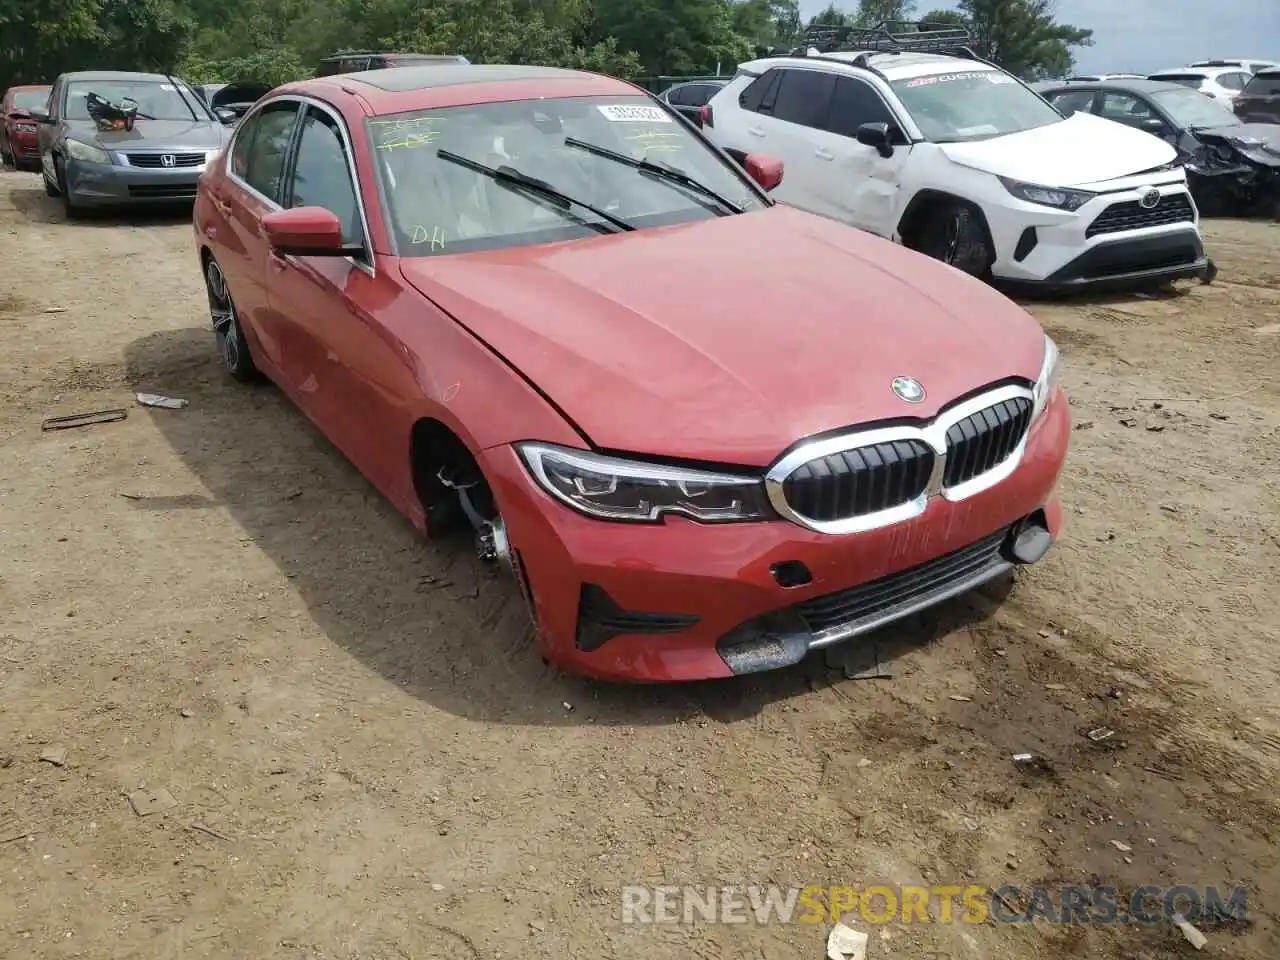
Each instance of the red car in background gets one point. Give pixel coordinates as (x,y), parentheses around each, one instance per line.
(742,434)
(18,146)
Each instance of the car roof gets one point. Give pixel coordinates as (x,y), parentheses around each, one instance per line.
(900,64)
(26,86)
(420,88)
(105,75)
(1195,71)
(1123,84)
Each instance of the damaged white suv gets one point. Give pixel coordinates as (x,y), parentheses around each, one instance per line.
(950,155)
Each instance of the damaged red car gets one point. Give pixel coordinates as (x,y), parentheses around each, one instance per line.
(742,434)
(18,146)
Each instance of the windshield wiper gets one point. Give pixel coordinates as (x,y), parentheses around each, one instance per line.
(513,179)
(658,170)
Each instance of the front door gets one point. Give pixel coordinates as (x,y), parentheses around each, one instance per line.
(344,368)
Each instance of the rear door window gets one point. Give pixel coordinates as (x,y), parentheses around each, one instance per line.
(1073,101)
(1233,81)
(264,164)
(804,97)
(761,91)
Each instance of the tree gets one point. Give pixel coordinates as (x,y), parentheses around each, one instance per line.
(871,12)
(673,37)
(1023,36)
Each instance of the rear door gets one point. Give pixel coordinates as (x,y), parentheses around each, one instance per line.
(1260,100)
(788,125)
(255,178)
(854,183)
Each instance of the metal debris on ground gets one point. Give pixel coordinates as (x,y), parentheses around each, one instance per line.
(846,943)
(84,419)
(157,400)
(1194,936)
(56,755)
(1099,734)
(146,802)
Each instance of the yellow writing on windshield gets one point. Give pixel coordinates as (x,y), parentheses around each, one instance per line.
(403,133)
(656,141)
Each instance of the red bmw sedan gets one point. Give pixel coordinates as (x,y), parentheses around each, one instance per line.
(744,433)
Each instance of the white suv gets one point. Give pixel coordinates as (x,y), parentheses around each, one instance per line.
(953,157)
(1223,84)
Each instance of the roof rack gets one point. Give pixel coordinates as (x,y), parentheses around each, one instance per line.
(888,36)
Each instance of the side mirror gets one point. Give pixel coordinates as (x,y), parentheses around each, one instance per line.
(225,114)
(40,115)
(876,135)
(1151,124)
(306,232)
(766,171)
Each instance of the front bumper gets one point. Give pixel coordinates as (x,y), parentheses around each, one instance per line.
(105,184)
(683,601)
(1128,264)
(24,146)
(1039,245)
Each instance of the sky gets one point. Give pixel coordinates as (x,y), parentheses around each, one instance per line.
(1142,36)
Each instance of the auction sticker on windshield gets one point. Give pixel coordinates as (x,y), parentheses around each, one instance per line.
(627,113)
(991,76)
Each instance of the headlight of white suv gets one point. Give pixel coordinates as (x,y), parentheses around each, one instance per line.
(86,152)
(611,488)
(1047,380)
(1059,197)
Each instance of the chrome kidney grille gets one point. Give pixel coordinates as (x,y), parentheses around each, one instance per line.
(872,478)
(853,483)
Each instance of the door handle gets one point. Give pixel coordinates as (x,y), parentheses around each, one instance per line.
(823,154)
(756,131)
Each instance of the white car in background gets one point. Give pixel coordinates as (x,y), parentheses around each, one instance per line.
(1252,65)
(953,157)
(1223,83)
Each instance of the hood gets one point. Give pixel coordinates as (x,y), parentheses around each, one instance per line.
(727,340)
(1257,141)
(154,134)
(1082,149)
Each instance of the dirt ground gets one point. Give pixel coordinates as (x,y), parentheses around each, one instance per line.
(355,755)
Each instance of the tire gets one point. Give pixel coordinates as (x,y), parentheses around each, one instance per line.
(955,234)
(233,348)
(6,155)
(50,189)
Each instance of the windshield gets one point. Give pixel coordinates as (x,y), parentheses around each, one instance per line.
(439,206)
(1191,109)
(156,99)
(972,105)
(30,99)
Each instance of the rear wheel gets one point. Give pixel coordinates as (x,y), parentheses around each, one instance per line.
(955,234)
(227,332)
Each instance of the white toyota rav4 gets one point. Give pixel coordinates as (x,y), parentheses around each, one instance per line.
(950,155)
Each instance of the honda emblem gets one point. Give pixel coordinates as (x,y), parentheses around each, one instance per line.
(168,160)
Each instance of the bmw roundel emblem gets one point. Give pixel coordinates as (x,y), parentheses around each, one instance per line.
(908,389)
(1150,200)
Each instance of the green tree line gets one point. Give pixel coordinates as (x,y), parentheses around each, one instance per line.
(273,41)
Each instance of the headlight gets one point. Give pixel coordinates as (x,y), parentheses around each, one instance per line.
(1058,197)
(614,489)
(86,152)
(1048,379)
